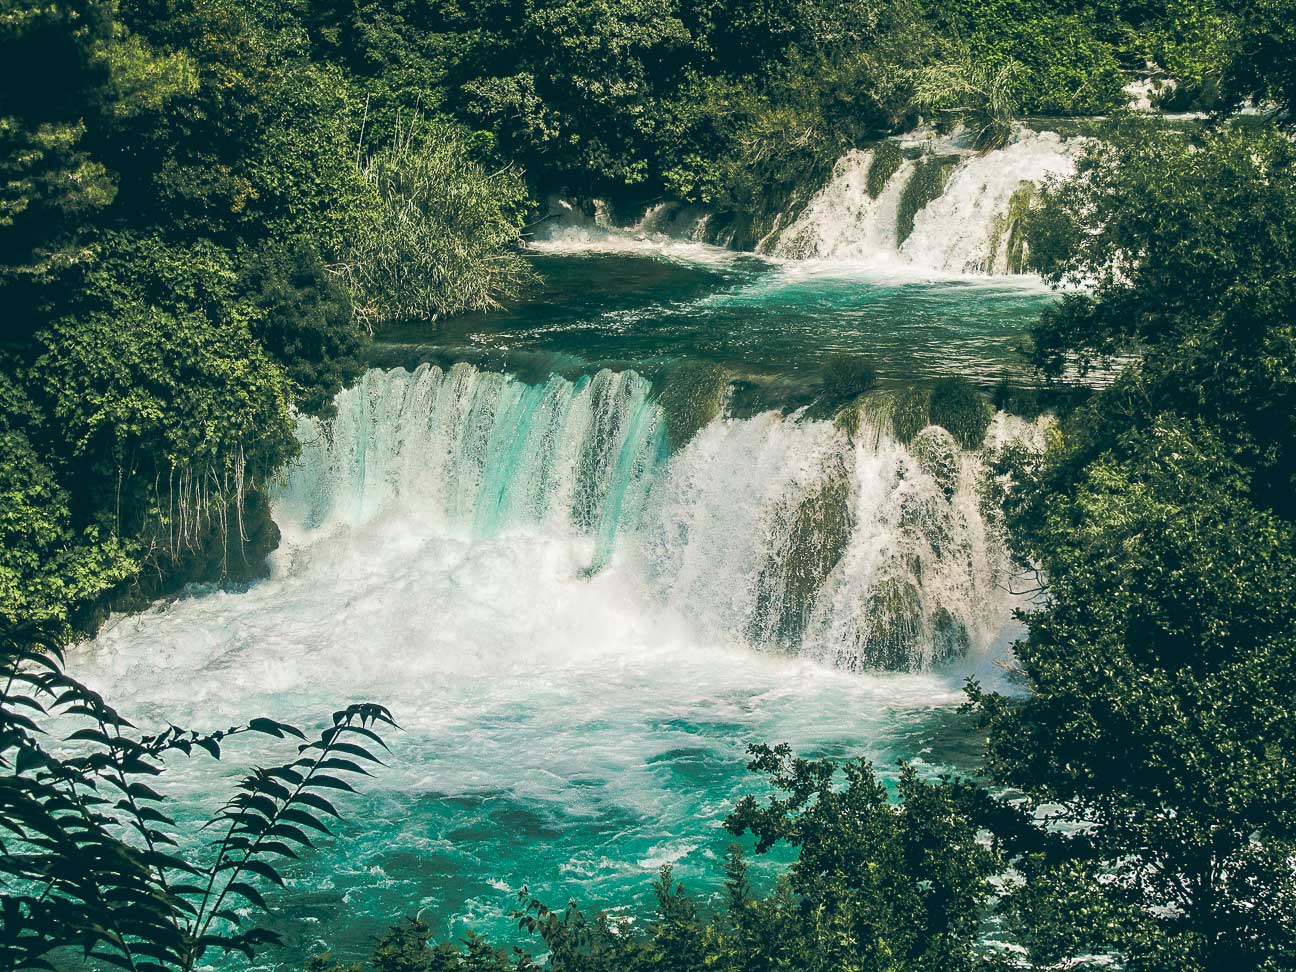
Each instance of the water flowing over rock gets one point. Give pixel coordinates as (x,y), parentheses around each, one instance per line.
(961,225)
(921,202)
(778,532)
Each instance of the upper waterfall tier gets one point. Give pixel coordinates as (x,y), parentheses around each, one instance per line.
(939,211)
(775,532)
(922,202)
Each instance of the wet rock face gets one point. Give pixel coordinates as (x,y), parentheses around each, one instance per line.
(937,454)
(694,395)
(818,531)
(890,637)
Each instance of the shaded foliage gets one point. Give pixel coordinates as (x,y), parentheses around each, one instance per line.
(1154,744)
(93,860)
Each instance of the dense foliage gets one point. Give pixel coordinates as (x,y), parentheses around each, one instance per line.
(195,238)
(1159,729)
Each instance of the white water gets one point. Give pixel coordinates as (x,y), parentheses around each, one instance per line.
(579,632)
(962,231)
(958,232)
(667,230)
(748,517)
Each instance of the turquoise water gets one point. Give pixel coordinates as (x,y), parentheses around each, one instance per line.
(773,324)
(572,620)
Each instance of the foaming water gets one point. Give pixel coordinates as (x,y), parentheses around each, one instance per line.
(580,628)
(964,229)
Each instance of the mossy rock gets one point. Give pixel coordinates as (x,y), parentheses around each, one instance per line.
(950,637)
(1008,231)
(847,376)
(910,413)
(814,536)
(958,406)
(869,412)
(886,161)
(937,454)
(693,396)
(892,627)
(926,183)
(928,518)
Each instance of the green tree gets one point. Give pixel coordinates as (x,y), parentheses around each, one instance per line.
(1154,744)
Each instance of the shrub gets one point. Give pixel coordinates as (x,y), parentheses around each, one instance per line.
(443,233)
(847,376)
(982,96)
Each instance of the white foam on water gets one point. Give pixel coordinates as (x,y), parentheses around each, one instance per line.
(566,621)
(958,233)
(667,231)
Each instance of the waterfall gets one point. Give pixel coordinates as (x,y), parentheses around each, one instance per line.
(923,202)
(479,452)
(963,230)
(964,227)
(782,533)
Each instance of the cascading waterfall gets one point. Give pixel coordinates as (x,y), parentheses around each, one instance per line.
(780,532)
(963,229)
(942,207)
(480,452)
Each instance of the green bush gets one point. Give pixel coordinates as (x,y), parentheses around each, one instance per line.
(846,376)
(957,406)
(910,413)
(443,232)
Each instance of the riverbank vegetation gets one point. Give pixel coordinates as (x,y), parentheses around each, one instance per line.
(206,206)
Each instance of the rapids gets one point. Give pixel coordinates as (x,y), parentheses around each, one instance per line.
(590,567)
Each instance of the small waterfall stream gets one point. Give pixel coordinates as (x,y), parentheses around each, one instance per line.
(965,228)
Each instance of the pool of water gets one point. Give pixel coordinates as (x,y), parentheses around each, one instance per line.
(772,323)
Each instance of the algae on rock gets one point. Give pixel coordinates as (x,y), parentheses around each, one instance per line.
(811,537)
(694,395)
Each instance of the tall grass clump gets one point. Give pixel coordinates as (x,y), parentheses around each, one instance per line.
(443,233)
(886,160)
(984,97)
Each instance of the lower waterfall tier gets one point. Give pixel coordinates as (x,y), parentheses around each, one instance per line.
(776,532)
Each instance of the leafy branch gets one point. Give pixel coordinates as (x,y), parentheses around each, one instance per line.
(89,856)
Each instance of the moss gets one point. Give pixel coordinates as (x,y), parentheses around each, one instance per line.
(911,413)
(1018,207)
(693,396)
(814,538)
(925,184)
(847,376)
(937,454)
(950,638)
(887,158)
(958,406)
(892,628)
